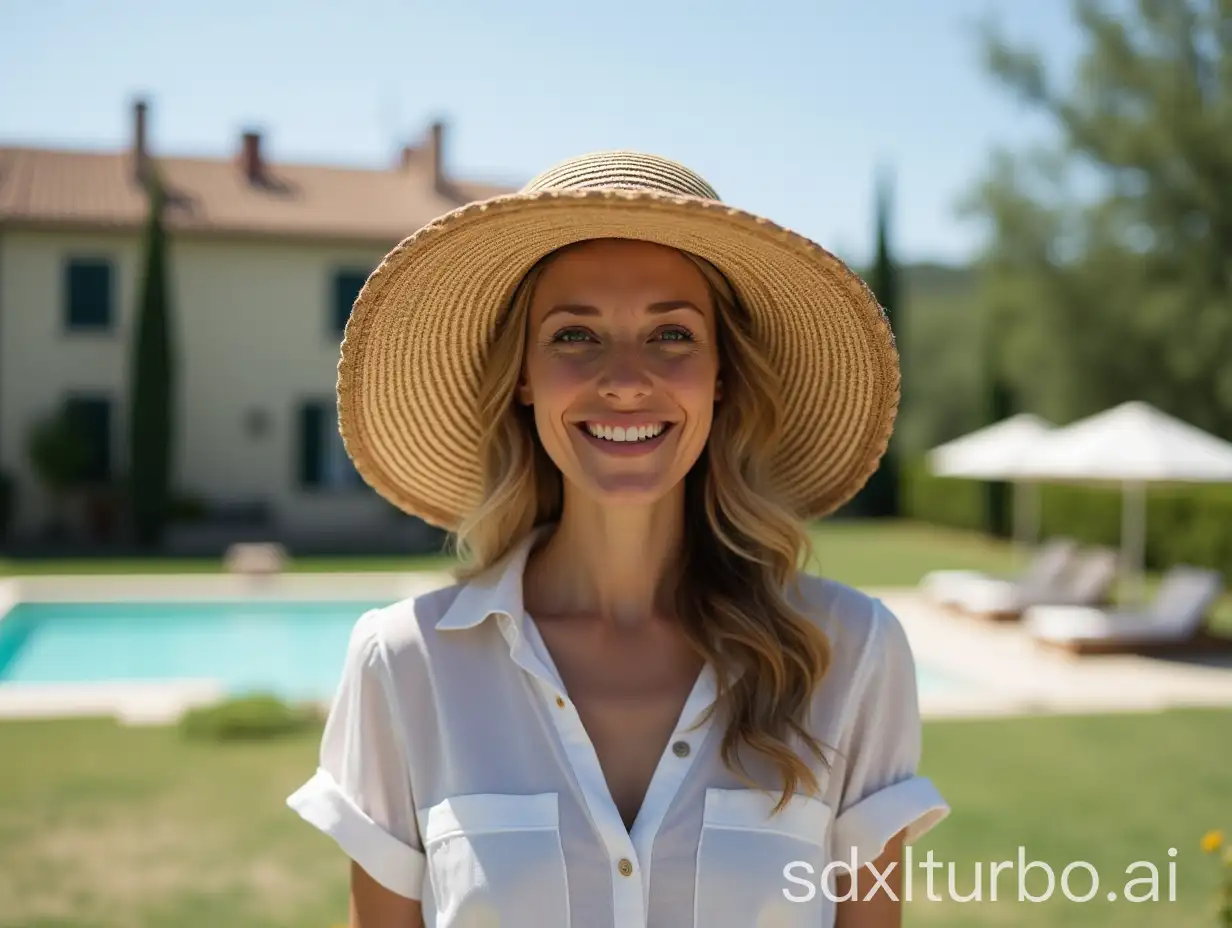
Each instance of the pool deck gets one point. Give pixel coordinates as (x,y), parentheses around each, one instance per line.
(360,585)
(996,670)
(1004,673)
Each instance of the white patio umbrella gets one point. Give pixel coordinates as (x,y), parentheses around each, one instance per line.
(1131,445)
(993,453)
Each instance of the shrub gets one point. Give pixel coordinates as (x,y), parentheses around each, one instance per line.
(954,503)
(249,718)
(1186,524)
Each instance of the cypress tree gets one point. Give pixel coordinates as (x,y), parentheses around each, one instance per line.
(151,399)
(882,491)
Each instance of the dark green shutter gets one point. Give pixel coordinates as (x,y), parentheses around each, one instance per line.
(311,443)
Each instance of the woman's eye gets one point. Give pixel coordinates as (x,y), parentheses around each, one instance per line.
(575,336)
(571,336)
(676,335)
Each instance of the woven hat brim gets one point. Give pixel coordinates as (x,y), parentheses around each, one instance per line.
(416,342)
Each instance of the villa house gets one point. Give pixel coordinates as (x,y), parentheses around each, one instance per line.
(265,261)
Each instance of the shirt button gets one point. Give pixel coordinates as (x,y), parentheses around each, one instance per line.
(560,702)
(681,749)
(625,866)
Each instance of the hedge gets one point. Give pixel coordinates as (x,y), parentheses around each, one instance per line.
(1184,524)
(256,717)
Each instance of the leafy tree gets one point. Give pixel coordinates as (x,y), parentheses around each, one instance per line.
(1109,268)
(944,394)
(59,455)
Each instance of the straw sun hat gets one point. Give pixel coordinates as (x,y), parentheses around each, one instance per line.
(416,341)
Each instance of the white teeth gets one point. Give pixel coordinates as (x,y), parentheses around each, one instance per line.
(619,433)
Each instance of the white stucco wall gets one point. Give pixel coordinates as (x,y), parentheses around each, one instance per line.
(252,324)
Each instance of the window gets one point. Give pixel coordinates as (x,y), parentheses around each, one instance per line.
(91,419)
(347,284)
(323,461)
(88,295)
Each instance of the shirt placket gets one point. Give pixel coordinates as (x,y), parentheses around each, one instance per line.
(628,852)
(674,765)
(628,899)
(627,892)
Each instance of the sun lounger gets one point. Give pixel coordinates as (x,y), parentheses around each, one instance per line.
(1047,566)
(255,558)
(1087,582)
(1175,619)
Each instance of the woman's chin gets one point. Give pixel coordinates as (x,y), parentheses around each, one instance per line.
(615,490)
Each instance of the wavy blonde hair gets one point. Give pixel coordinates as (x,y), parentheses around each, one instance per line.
(734,576)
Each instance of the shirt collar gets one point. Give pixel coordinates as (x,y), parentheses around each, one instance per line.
(495,591)
(498,591)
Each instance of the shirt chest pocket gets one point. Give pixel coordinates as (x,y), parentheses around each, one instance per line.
(751,864)
(496,860)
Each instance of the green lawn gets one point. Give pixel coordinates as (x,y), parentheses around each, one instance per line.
(103,826)
(1108,790)
(886,555)
(867,554)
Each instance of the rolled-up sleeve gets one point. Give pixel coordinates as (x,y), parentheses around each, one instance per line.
(360,794)
(883,792)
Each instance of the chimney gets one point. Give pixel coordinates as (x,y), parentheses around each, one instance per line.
(250,157)
(407,159)
(436,158)
(428,156)
(140,149)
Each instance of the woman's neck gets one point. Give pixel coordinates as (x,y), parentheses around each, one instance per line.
(609,562)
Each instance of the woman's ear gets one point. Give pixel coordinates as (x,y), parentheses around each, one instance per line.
(525,396)
(718,389)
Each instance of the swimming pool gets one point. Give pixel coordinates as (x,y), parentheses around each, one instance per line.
(294,649)
(291,648)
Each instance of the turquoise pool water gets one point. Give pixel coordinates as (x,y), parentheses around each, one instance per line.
(293,649)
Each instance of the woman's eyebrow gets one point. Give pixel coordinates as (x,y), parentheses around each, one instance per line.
(583,309)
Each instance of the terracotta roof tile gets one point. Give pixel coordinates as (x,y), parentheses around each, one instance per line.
(99,190)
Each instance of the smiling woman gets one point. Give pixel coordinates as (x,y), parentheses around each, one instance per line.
(622,368)
(633,708)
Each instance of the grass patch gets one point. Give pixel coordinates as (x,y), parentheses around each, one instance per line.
(862,553)
(890,554)
(103,825)
(107,826)
(1109,790)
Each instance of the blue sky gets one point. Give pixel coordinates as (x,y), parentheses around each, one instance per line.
(787,107)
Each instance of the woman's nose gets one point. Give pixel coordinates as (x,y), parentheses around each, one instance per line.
(625,376)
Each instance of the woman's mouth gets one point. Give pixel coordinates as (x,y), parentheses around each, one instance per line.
(625,439)
(625,433)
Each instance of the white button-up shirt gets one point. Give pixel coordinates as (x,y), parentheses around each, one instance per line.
(455,770)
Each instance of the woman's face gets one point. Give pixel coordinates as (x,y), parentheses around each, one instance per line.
(621,367)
